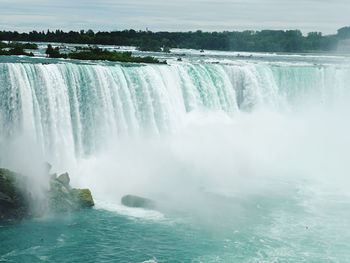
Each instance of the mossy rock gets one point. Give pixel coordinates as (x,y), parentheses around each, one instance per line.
(15,197)
(83,198)
(62,198)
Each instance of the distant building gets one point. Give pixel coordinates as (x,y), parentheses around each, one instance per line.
(344,46)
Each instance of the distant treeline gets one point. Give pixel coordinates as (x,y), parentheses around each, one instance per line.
(264,41)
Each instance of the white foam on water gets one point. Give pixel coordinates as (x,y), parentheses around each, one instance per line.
(129,212)
(153,260)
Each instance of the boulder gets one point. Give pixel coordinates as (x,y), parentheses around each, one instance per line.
(62,198)
(83,198)
(64,179)
(138,202)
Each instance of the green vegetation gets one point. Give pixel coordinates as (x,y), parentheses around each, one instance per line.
(16,45)
(83,197)
(100,54)
(265,40)
(32,46)
(15,51)
(16,196)
(62,198)
(2,45)
(81,53)
(149,44)
(14,48)
(95,53)
(54,52)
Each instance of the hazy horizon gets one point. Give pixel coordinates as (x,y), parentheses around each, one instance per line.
(222,15)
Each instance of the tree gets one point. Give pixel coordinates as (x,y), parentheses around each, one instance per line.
(54,52)
(148,44)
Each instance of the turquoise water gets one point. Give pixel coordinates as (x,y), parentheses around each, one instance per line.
(271,230)
(248,159)
(101,236)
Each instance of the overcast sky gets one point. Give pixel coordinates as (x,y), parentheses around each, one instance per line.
(175,15)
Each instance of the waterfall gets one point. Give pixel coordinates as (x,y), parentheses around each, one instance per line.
(70,109)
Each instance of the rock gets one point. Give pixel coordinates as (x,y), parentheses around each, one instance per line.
(15,196)
(59,197)
(14,202)
(138,202)
(64,179)
(60,202)
(5,199)
(83,197)
(62,198)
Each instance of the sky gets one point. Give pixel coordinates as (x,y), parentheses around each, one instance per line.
(176,15)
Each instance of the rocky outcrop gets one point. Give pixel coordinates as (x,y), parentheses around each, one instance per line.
(62,198)
(138,202)
(14,199)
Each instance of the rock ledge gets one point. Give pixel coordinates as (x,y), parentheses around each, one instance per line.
(16,199)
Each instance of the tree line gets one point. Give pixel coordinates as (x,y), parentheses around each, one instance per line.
(259,41)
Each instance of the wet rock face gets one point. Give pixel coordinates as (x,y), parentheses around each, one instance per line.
(138,202)
(64,179)
(62,198)
(83,198)
(15,197)
(14,202)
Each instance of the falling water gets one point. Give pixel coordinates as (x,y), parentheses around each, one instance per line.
(249,159)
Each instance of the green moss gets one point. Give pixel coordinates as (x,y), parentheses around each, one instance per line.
(83,197)
(14,197)
(64,199)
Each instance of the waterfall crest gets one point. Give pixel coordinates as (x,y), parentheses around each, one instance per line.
(72,108)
